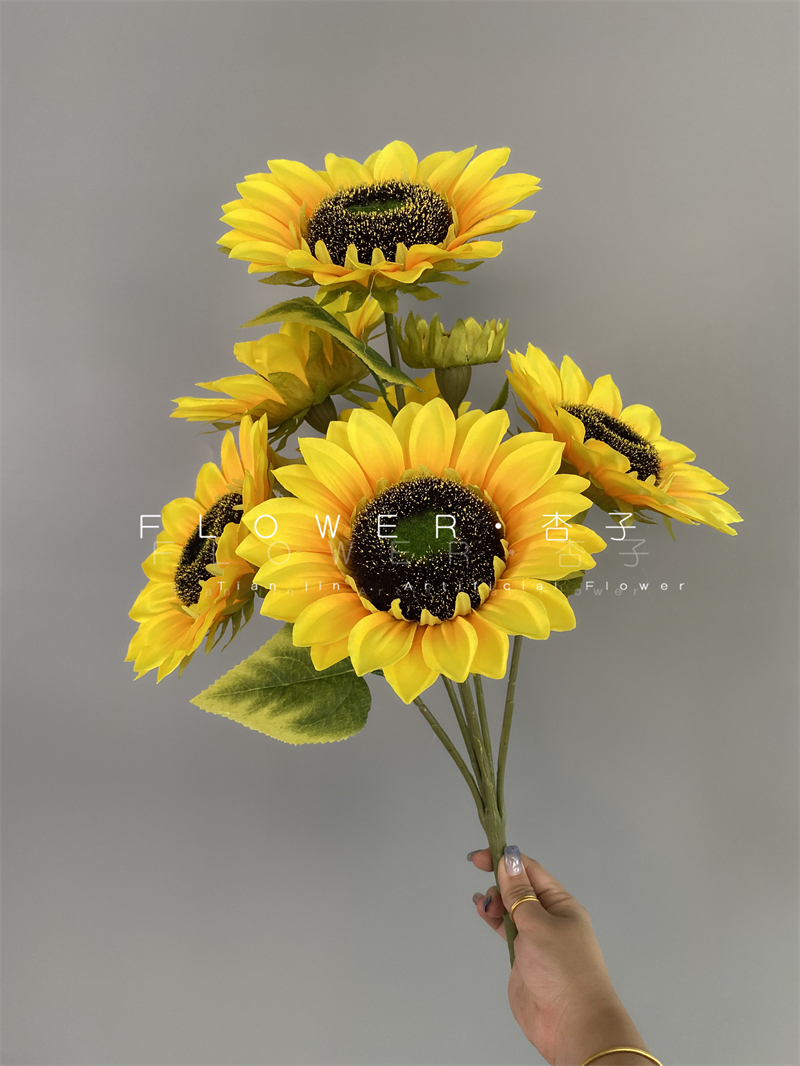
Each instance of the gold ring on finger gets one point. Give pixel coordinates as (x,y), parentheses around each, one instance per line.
(522,900)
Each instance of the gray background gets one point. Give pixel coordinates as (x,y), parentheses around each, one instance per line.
(181,890)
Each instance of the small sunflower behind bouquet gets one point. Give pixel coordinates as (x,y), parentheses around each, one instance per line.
(419,539)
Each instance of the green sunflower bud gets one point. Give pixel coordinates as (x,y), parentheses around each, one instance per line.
(425,345)
(453,382)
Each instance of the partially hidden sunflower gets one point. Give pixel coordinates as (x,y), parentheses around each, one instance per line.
(620,449)
(198,584)
(296,368)
(418,547)
(426,389)
(383,222)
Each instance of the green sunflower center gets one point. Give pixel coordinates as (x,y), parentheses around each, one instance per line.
(380,215)
(200,550)
(618,435)
(423,541)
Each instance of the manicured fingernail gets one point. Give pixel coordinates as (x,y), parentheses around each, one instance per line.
(476,896)
(513,859)
(471,853)
(486,903)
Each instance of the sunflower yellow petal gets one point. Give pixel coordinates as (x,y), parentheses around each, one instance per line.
(491,654)
(477,174)
(302,482)
(180,518)
(376,446)
(642,420)
(345,173)
(480,445)
(379,640)
(521,473)
(517,612)
(286,604)
(325,655)
(605,395)
(337,470)
(574,386)
(670,451)
(450,648)
(324,621)
(397,161)
(544,373)
(300,181)
(430,441)
(411,675)
(447,173)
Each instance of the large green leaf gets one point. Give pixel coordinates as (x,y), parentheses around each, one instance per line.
(303,309)
(278,692)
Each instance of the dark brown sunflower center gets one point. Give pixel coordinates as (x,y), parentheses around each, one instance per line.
(382,216)
(618,435)
(422,542)
(200,550)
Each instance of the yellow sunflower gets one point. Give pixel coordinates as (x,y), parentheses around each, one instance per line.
(383,222)
(429,391)
(295,369)
(418,547)
(621,449)
(197,582)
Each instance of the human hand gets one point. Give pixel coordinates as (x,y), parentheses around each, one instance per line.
(559,990)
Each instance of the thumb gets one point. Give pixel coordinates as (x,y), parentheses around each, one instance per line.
(514,883)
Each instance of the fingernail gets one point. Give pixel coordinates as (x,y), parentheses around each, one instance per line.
(476,896)
(471,853)
(486,903)
(513,859)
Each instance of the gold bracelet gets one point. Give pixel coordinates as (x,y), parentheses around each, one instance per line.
(636,1050)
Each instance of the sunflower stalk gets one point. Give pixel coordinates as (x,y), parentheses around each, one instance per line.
(457,759)
(494,822)
(462,724)
(506,728)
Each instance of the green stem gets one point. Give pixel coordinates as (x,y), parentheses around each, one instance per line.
(487,737)
(495,822)
(394,355)
(385,395)
(462,725)
(506,730)
(445,739)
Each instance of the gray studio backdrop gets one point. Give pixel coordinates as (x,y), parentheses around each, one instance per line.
(179,889)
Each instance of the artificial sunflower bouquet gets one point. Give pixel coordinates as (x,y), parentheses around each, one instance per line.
(417,537)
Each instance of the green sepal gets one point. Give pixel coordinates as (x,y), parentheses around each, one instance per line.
(304,310)
(288,277)
(668,524)
(277,691)
(386,300)
(502,398)
(577,520)
(570,584)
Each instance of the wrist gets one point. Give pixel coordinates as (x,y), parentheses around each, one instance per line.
(605,1027)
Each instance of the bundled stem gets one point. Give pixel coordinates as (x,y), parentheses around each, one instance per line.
(487,791)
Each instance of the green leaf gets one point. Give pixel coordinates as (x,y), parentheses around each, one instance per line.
(502,398)
(303,309)
(277,691)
